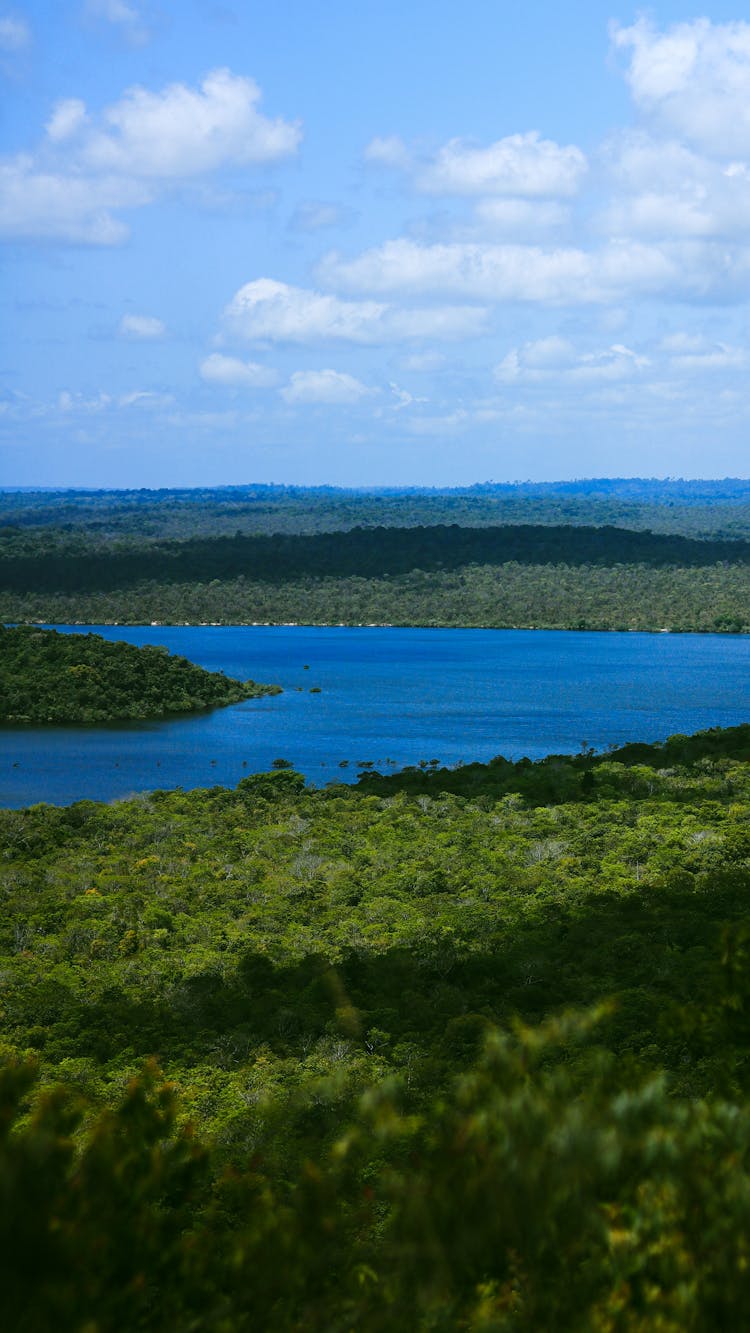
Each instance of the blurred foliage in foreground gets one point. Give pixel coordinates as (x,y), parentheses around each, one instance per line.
(523,1198)
(447,1050)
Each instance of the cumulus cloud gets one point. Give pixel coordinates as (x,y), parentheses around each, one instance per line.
(234,373)
(46,204)
(663,188)
(523,165)
(491,272)
(563,275)
(274,311)
(139,146)
(141,327)
(182,132)
(15,33)
(324,386)
(694,78)
(520,165)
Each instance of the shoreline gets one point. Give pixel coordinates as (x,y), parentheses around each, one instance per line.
(369,624)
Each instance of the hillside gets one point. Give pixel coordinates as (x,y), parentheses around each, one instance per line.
(361,1001)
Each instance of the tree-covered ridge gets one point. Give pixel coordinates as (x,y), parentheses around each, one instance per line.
(358,553)
(361,999)
(709,599)
(46,677)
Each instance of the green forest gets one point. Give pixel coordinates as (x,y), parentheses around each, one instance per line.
(622,554)
(47,677)
(449,1049)
(690,508)
(515,576)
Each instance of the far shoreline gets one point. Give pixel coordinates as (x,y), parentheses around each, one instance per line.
(385,624)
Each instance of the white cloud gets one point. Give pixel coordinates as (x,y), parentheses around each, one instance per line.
(520,215)
(145,327)
(693,78)
(139,146)
(324,386)
(230,371)
(182,132)
(488,272)
(522,165)
(564,275)
(662,188)
(46,205)
(694,352)
(666,370)
(555,358)
(68,116)
(15,33)
(269,310)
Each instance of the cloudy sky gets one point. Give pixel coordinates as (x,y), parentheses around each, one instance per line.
(373,243)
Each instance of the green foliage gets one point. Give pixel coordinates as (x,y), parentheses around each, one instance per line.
(64,678)
(524,1197)
(445,1050)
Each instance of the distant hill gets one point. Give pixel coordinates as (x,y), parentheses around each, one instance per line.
(693,508)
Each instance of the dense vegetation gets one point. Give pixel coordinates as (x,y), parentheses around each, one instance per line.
(359,553)
(519,575)
(601,554)
(63,678)
(363,1001)
(710,599)
(693,508)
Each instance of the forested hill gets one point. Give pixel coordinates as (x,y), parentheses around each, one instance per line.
(372,553)
(63,678)
(428,1060)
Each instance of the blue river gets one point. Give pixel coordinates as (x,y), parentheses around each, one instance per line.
(390,697)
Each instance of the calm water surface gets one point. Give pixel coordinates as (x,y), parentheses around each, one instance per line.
(397,695)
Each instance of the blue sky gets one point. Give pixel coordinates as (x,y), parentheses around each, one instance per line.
(371,244)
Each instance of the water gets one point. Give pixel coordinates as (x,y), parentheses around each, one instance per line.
(398,695)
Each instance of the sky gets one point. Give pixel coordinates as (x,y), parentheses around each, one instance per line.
(372,244)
